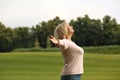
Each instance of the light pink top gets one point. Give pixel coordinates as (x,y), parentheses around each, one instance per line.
(73,57)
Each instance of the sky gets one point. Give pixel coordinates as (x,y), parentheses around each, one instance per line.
(14,13)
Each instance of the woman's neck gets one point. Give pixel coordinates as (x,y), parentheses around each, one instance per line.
(69,37)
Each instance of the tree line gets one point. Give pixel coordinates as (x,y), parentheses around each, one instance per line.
(88,32)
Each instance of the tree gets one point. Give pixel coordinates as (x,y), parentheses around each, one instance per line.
(81,34)
(6,38)
(95,30)
(23,38)
(109,30)
(36,43)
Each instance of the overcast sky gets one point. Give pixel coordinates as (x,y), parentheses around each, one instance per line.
(16,13)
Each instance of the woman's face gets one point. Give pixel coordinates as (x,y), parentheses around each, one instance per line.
(70,30)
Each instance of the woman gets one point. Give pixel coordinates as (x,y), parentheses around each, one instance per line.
(72,54)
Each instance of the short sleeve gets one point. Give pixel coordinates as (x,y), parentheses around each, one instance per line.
(64,43)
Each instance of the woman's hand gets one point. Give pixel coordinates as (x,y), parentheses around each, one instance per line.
(53,40)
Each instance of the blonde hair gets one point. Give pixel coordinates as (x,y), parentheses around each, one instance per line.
(61,31)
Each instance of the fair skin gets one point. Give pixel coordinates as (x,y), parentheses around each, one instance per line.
(68,35)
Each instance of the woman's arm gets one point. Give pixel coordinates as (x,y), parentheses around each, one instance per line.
(53,40)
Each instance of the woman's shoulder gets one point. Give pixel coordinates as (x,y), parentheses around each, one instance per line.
(66,41)
(63,40)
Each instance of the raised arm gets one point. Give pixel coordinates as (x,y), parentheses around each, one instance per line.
(53,40)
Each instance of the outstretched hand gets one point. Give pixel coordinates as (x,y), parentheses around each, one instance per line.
(53,40)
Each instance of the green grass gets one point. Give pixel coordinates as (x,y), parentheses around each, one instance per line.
(101,67)
(48,65)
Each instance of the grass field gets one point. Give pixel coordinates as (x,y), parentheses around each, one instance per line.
(48,65)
